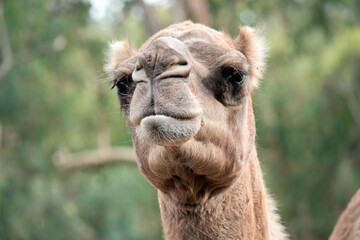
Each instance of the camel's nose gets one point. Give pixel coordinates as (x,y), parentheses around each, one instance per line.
(166,57)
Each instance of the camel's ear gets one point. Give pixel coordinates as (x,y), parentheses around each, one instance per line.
(118,51)
(254,47)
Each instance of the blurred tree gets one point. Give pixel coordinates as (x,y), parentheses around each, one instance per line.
(4,45)
(307,108)
(198,11)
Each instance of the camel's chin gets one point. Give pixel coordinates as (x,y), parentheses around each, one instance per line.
(167,131)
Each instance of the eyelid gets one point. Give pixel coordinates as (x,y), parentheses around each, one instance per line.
(239,64)
(118,80)
(234,68)
(242,72)
(239,70)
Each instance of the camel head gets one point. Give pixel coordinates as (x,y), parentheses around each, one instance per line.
(186,94)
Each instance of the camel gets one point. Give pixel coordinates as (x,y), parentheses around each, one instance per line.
(186,94)
(348,224)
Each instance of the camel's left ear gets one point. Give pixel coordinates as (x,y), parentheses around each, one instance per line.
(254,47)
(118,51)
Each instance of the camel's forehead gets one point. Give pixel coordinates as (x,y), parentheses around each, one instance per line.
(188,31)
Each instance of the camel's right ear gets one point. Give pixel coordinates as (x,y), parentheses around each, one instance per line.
(118,51)
(254,47)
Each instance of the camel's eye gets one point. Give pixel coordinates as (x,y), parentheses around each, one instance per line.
(123,85)
(233,75)
(125,88)
(231,86)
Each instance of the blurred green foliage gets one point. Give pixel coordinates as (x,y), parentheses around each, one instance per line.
(56,97)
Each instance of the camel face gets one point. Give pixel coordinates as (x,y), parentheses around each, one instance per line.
(164,109)
(186,96)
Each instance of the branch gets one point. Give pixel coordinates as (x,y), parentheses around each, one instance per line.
(93,158)
(4,45)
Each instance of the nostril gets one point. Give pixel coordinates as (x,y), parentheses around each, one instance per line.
(178,69)
(139,75)
(138,66)
(177,61)
(182,63)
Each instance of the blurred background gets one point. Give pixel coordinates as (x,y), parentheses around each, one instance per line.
(56,107)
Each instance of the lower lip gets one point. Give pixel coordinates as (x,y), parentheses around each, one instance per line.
(165,130)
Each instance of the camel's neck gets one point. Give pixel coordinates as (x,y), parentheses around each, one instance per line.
(239,213)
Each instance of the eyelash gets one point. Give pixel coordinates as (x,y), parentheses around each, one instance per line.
(233,75)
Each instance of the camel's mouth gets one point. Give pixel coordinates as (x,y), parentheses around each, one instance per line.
(166,130)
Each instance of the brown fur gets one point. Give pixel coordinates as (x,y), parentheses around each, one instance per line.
(348,225)
(193,130)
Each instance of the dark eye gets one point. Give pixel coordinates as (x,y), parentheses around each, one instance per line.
(233,75)
(122,84)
